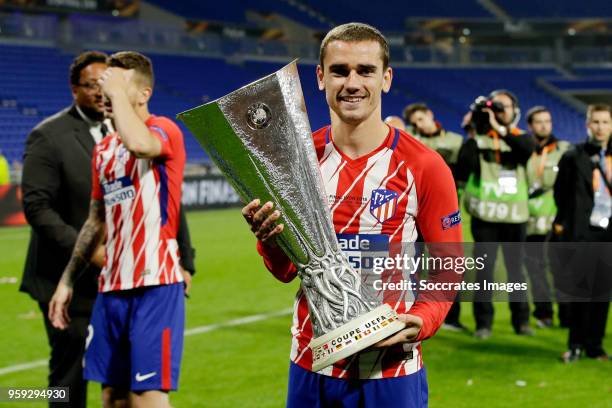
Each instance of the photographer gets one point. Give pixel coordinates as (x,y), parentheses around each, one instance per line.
(542,169)
(492,164)
(430,132)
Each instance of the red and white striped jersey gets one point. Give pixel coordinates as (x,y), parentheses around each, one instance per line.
(385,198)
(141,199)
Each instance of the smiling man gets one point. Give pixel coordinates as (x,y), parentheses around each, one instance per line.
(365,164)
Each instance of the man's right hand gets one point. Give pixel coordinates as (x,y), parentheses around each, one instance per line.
(58,307)
(262,219)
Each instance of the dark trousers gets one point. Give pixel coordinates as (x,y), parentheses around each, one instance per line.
(487,237)
(536,265)
(539,258)
(588,319)
(588,326)
(453,313)
(66,362)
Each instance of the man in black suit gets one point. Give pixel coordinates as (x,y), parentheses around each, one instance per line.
(583,194)
(56,186)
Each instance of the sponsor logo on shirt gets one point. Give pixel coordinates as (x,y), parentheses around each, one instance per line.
(383,204)
(362,249)
(451,220)
(119,190)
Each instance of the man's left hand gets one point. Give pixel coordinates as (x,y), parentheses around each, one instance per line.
(407,335)
(58,306)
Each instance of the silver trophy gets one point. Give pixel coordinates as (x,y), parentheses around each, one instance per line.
(260,138)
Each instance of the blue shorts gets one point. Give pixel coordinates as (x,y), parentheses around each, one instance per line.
(135,338)
(312,390)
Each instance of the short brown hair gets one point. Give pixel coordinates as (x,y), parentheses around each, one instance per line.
(414,107)
(82,61)
(356,32)
(136,61)
(534,111)
(598,107)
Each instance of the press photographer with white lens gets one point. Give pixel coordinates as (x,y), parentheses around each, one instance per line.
(492,166)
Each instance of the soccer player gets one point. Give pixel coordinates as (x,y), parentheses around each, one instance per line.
(56,185)
(135,336)
(360,157)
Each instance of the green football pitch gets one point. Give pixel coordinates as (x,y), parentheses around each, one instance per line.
(237,345)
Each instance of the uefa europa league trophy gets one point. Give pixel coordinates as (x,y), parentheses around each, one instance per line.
(260,138)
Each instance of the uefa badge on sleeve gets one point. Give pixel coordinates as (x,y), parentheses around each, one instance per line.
(451,220)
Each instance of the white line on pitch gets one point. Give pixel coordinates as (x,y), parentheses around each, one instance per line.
(189,332)
(237,322)
(23,367)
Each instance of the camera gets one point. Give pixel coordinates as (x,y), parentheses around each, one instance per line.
(480,118)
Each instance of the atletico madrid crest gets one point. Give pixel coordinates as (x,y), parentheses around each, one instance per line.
(383,204)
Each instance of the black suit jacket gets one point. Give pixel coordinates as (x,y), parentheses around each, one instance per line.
(56,185)
(574,191)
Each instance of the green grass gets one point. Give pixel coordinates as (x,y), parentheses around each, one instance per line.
(246,366)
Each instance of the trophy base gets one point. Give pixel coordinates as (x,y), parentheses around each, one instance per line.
(354,336)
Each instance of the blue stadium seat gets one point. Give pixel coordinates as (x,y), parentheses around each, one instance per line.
(557,9)
(388,16)
(184,82)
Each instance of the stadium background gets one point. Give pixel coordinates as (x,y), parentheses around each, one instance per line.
(554,53)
